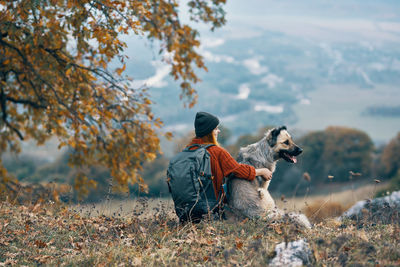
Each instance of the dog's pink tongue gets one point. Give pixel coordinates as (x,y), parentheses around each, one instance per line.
(293,158)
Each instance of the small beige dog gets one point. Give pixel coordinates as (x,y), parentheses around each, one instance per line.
(251,199)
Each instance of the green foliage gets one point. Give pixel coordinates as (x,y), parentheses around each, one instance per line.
(391,157)
(394,185)
(336,151)
(288,180)
(34,171)
(154,173)
(57,171)
(22,166)
(395,182)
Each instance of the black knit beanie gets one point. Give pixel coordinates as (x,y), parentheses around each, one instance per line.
(205,123)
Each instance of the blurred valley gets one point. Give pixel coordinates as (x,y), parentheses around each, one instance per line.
(307,65)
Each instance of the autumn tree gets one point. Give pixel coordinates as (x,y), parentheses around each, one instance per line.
(56,79)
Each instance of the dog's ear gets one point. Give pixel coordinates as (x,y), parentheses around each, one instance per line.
(274,135)
(275,132)
(283,127)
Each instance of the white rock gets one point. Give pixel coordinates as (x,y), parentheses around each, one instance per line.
(296,253)
(392,200)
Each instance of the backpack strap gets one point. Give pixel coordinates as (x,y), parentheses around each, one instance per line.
(198,146)
(189,148)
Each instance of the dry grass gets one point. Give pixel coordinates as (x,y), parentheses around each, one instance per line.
(141,208)
(57,236)
(145,232)
(318,212)
(316,207)
(331,201)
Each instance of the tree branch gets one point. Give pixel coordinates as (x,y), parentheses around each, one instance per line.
(4,115)
(25,102)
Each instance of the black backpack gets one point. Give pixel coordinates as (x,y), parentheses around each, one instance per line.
(190,183)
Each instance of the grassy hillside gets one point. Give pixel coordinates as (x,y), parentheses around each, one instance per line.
(56,235)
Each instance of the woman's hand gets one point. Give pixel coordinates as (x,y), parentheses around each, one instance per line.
(265,173)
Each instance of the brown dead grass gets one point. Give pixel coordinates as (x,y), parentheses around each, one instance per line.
(53,235)
(316,207)
(318,212)
(320,208)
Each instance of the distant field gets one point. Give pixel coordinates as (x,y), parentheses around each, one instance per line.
(146,208)
(343,105)
(345,198)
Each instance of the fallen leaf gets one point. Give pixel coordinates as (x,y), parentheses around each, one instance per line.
(40,244)
(244,221)
(277,229)
(239,243)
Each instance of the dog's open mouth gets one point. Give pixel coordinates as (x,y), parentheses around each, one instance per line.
(289,158)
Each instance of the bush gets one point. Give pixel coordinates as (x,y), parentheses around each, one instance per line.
(336,151)
(394,185)
(23,166)
(154,175)
(391,157)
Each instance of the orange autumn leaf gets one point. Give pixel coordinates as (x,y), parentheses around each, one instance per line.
(238,243)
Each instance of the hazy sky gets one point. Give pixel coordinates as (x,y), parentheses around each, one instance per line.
(374,21)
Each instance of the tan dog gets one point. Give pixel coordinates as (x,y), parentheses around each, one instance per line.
(251,199)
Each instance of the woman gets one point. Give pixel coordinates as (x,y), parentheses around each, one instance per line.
(222,163)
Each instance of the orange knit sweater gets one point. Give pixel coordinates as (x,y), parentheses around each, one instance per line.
(223,164)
